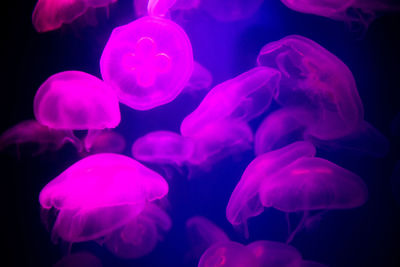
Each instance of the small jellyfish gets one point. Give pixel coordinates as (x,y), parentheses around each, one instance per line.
(231,10)
(99,194)
(245,201)
(241,98)
(139,236)
(229,254)
(108,142)
(147,62)
(200,80)
(50,15)
(315,79)
(80,259)
(202,233)
(74,100)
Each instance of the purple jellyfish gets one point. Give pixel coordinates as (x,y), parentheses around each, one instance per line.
(245,201)
(200,80)
(139,236)
(159,7)
(147,62)
(74,100)
(80,259)
(107,142)
(50,15)
(99,194)
(231,10)
(317,80)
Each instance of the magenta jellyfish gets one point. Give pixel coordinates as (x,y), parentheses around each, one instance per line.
(139,236)
(159,7)
(228,254)
(99,194)
(80,259)
(74,100)
(200,80)
(317,80)
(241,98)
(244,202)
(50,15)
(202,233)
(107,142)
(231,10)
(147,62)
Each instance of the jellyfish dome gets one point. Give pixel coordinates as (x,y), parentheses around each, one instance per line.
(50,15)
(99,194)
(315,79)
(147,62)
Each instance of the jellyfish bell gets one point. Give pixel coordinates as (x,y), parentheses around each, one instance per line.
(50,15)
(147,62)
(74,100)
(231,10)
(229,254)
(99,194)
(80,259)
(314,78)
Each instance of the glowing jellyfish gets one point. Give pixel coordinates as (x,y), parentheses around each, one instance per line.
(229,254)
(80,259)
(159,7)
(231,10)
(99,194)
(52,14)
(108,142)
(202,233)
(200,80)
(275,254)
(74,100)
(148,62)
(139,236)
(163,147)
(245,201)
(315,79)
(241,98)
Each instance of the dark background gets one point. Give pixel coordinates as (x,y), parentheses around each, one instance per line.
(367,236)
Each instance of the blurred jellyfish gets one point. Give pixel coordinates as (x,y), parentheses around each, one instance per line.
(315,79)
(99,194)
(202,233)
(241,98)
(108,142)
(139,236)
(159,7)
(245,201)
(80,259)
(229,254)
(74,100)
(50,15)
(200,80)
(360,11)
(395,181)
(147,62)
(31,131)
(231,10)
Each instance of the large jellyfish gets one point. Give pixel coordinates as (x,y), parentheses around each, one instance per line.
(99,194)
(231,10)
(148,62)
(74,100)
(315,79)
(139,236)
(52,14)
(245,201)
(80,259)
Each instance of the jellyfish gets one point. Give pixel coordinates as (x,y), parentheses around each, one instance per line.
(74,100)
(241,98)
(315,79)
(99,194)
(231,10)
(147,62)
(202,233)
(108,142)
(80,259)
(229,254)
(139,236)
(200,80)
(50,15)
(159,7)
(244,202)
(310,184)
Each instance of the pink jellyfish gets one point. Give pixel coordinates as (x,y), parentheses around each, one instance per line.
(200,80)
(147,62)
(139,236)
(245,201)
(74,100)
(315,79)
(50,15)
(162,8)
(80,259)
(241,98)
(228,254)
(202,233)
(99,194)
(231,10)
(107,142)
